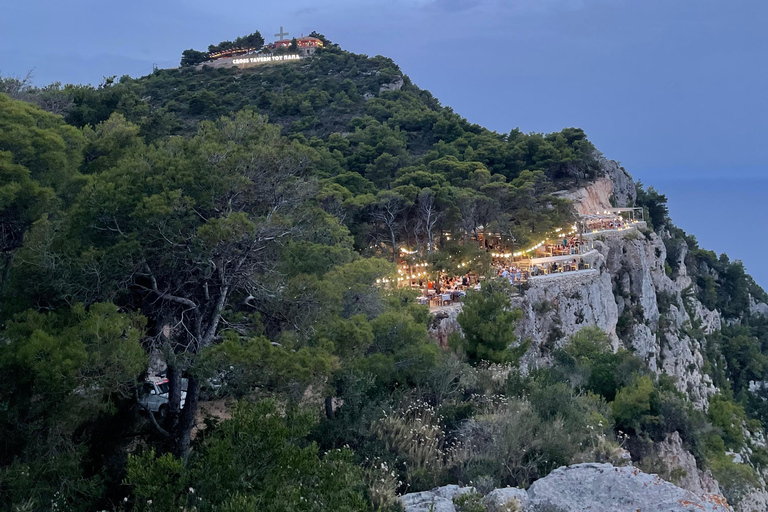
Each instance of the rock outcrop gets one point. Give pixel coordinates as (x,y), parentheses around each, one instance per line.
(506,499)
(444,323)
(614,187)
(758,308)
(592,487)
(436,500)
(632,293)
(592,198)
(554,309)
(681,466)
(605,488)
(623,188)
(628,295)
(395,85)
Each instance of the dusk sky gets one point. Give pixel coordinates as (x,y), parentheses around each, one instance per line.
(673,89)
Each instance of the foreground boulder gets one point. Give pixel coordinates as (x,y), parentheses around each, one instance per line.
(439,499)
(580,488)
(605,488)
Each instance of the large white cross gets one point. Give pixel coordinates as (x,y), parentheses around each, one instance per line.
(281,34)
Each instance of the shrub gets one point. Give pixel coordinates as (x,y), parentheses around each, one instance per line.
(488,325)
(636,406)
(416,436)
(254,461)
(518,441)
(469,502)
(728,417)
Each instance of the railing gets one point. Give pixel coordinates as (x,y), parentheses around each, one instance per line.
(628,227)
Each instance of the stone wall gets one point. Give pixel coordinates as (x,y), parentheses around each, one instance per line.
(566,280)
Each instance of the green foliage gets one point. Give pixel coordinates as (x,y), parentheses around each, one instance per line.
(246,366)
(254,461)
(655,206)
(488,325)
(469,502)
(39,160)
(43,143)
(519,442)
(728,417)
(636,406)
(255,41)
(192,57)
(735,479)
(64,376)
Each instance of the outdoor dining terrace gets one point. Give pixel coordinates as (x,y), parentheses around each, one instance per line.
(563,252)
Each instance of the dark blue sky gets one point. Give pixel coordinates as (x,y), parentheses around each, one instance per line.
(674,89)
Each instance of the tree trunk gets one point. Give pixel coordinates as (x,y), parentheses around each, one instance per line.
(6,270)
(174,397)
(188,416)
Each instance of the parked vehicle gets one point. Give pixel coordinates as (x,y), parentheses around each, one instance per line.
(154,396)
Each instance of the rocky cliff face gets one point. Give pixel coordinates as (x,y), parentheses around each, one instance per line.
(614,187)
(630,293)
(629,296)
(680,467)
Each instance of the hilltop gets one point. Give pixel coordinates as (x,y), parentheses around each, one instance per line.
(245,229)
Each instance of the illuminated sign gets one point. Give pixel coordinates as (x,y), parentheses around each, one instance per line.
(265,58)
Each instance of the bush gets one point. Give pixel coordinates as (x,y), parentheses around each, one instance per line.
(254,461)
(488,325)
(729,418)
(636,406)
(416,436)
(518,441)
(469,502)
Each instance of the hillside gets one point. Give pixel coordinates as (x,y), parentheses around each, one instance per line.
(243,230)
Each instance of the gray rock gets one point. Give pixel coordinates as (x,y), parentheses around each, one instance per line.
(592,198)
(755,500)
(758,308)
(624,192)
(439,499)
(444,323)
(557,307)
(675,457)
(394,86)
(504,500)
(605,488)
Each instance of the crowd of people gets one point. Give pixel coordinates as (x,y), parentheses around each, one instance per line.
(446,289)
(603,224)
(517,270)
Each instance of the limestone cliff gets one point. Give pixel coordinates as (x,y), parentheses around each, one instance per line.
(614,187)
(632,294)
(629,295)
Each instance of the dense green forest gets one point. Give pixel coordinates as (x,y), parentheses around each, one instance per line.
(237,222)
